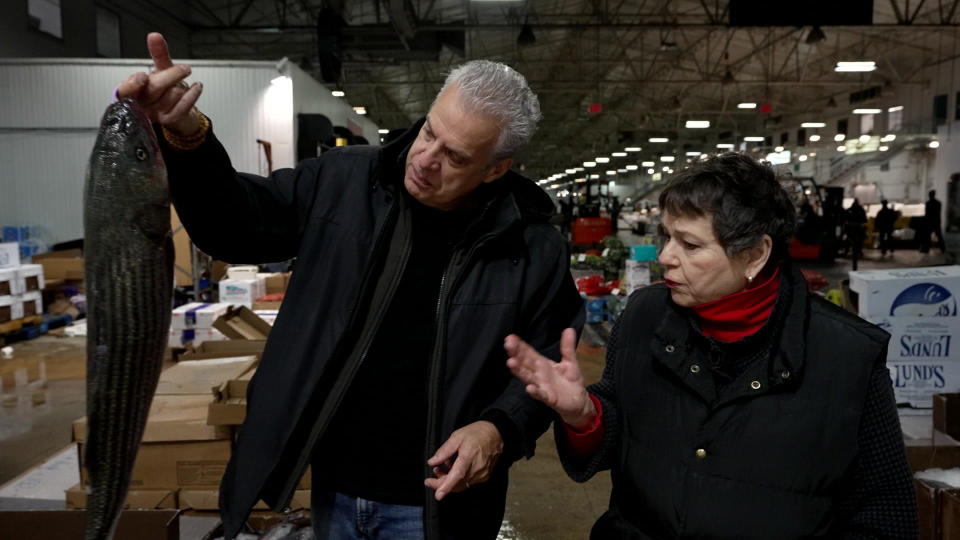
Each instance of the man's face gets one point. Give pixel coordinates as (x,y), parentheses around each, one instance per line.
(451,156)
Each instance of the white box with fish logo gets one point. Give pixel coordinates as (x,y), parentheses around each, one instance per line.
(921,339)
(241,292)
(195,336)
(9,255)
(197,315)
(907,292)
(915,383)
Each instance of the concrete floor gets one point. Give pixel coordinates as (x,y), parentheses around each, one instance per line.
(543,504)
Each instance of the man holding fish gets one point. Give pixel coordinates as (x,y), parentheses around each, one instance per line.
(385,368)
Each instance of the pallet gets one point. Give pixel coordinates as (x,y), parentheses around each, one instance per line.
(30,327)
(17,324)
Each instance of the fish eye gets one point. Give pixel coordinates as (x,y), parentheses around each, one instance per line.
(141,153)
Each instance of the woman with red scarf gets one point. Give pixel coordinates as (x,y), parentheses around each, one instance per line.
(733,403)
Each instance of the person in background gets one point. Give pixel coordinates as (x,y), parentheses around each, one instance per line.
(384,370)
(614,209)
(883,225)
(855,228)
(932,215)
(734,403)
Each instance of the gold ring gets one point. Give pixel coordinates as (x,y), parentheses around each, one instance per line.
(184,85)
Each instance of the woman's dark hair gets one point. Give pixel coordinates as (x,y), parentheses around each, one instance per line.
(743,196)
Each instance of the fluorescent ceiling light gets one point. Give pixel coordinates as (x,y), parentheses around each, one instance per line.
(754,139)
(728,146)
(589,164)
(621,171)
(888,137)
(337,93)
(698,124)
(571,171)
(867,111)
(747,106)
(778,149)
(360,110)
(934,144)
(602,160)
(895,109)
(611,173)
(594,176)
(693,153)
(632,167)
(665,168)
(884,148)
(813,125)
(802,157)
(864,139)
(580,180)
(839,137)
(647,164)
(619,154)
(579,169)
(383,131)
(659,139)
(651,171)
(632,149)
(667,159)
(841,148)
(813,138)
(855,67)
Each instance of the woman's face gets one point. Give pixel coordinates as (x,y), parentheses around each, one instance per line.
(695,265)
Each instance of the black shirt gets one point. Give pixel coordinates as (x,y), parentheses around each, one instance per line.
(374,448)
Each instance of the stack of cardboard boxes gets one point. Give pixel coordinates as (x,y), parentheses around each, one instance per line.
(193,323)
(242,286)
(20,285)
(920,307)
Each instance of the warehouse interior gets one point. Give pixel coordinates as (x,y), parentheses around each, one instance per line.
(851,104)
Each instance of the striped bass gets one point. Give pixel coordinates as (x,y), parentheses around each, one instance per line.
(129,276)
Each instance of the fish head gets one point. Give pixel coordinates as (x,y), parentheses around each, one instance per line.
(128,145)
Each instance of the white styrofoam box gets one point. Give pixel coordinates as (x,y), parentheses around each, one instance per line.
(9,255)
(32,302)
(915,382)
(241,291)
(924,292)
(636,275)
(30,277)
(197,315)
(242,272)
(921,338)
(196,336)
(8,281)
(269,315)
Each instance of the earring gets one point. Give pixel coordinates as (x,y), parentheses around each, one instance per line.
(749,279)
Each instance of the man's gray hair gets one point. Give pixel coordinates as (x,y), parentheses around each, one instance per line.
(498,91)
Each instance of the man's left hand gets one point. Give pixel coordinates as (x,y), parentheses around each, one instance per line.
(474,450)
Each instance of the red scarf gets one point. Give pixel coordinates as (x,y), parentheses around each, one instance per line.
(740,314)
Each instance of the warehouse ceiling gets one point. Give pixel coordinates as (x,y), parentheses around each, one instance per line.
(651,65)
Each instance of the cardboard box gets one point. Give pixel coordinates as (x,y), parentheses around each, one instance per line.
(242,271)
(69,524)
(225,349)
(32,303)
(174,464)
(198,499)
(928,291)
(172,418)
(142,499)
(65,265)
(930,508)
(229,405)
(946,414)
(277,283)
(921,339)
(30,278)
(200,376)
(9,255)
(242,292)
(8,282)
(923,454)
(242,323)
(915,383)
(950,514)
(196,315)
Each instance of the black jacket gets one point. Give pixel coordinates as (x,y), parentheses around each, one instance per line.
(343,217)
(773,453)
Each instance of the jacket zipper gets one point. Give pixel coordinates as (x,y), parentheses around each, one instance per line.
(430,510)
(340,387)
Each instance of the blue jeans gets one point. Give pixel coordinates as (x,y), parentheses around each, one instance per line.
(341,517)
